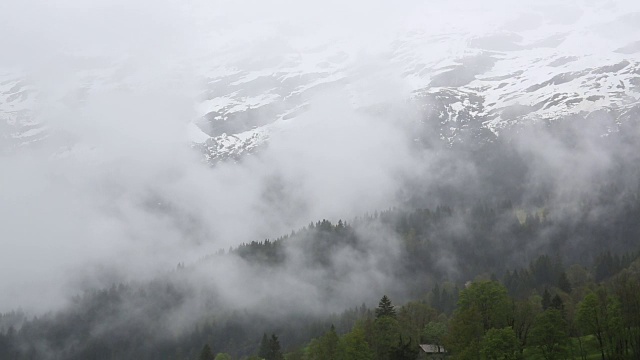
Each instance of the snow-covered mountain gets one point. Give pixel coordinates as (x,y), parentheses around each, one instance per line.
(531,65)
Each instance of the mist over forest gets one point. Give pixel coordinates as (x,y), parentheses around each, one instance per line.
(319,180)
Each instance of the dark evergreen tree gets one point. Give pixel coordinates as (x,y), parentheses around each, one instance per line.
(557,303)
(275,352)
(546,299)
(563,282)
(543,270)
(385,308)
(206,353)
(436,301)
(263,351)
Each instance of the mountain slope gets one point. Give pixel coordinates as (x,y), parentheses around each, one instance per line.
(531,65)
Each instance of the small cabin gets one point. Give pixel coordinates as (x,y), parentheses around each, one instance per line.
(431,351)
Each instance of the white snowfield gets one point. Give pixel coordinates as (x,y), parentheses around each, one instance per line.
(471,71)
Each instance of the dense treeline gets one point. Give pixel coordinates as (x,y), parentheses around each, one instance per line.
(555,316)
(483,242)
(480,239)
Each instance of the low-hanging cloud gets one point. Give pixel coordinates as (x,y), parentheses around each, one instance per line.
(116,194)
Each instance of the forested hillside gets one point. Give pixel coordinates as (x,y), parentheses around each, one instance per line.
(458,271)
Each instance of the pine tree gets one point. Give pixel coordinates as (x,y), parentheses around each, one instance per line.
(435,298)
(270,348)
(557,303)
(206,353)
(563,282)
(546,299)
(275,353)
(385,308)
(263,352)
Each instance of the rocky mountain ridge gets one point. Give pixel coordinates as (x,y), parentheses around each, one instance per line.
(532,68)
